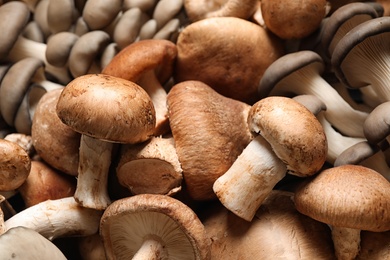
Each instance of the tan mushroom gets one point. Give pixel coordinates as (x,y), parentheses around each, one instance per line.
(148,226)
(105,110)
(99,13)
(60,15)
(59,47)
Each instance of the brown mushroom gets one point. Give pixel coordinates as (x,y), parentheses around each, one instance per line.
(105,110)
(99,13)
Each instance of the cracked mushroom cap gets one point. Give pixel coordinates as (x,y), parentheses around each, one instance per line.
(350,196)
(107,108)
(127,223)
(294,133)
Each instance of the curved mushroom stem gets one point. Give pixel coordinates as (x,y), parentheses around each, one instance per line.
(250,179)
(2,225)
(346,242)
(94,164)
(151,249)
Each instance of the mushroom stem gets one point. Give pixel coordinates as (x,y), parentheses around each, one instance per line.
(151,249)
(250,179)
(94,164)
(346,242)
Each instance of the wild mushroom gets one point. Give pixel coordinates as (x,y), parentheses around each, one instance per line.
(300,73)
(289,139)
(25,243)
(150,167)
(57,218)
(45,183)
(61,15)
(220,136)
(59,47)
(99,14)
(198,10)
(278,231)
(359,59)
(227,53)
(55,143)
(15,165)
(105,110)
(295,19)
(149,63)
(348,209)
(150,226)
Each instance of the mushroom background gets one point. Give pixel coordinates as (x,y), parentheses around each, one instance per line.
(46,44)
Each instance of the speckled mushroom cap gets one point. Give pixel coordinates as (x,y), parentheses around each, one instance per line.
(107,108)
(349,196)
(294,133)
(128,221)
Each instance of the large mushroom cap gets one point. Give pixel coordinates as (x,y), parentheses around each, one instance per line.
(129,221)
(349,196)
(107,108)
(294,133)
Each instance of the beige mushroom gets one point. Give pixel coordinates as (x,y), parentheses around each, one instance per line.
(60,15)
(59,47)
(100,13)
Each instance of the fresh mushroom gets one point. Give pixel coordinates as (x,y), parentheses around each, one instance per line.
(289,139)
(25,243)
(300,73)
(343,198)
(23,140)
(209,130)
(99,13)
(59,47)
(105,110)
(150,226)
(227,53)
(149,63)
(61,15)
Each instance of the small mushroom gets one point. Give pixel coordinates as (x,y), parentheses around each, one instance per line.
(209,130)
(289,139)
(99,13)
(150,226)
(300,73)
(25,243)
(60,15)
(57,218)
(59,47)
(343,198)
(358,59)
(25,141)
(105,110)
(150,167)
(227,53)
(15,165)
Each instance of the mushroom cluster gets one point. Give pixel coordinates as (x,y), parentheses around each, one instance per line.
(185,129)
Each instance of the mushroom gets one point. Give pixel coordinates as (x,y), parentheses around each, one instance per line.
(55,143)
(166,10)
(145,5)
(278,231)
(374,245)
(60,15)
(359,59)
(149,63)
(45,183)
(15,165)
(295,19)
(59,47)
(57,218)
(300,73)
(198,10)
(289,139)
(105,110)
(99,13)
(348,209)
(25,243)
(150,167)
(227,53)
(25,141)
(91,247)
(151,226)
(220,134)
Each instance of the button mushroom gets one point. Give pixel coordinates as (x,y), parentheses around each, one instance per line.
(148,226)
(343,198)
(289,139)
(104,109)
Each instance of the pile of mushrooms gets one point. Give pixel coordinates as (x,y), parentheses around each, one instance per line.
(179,129)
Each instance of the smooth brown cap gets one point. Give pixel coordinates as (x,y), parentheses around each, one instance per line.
(58,48)
(350,196)
(107,108)
(294,133)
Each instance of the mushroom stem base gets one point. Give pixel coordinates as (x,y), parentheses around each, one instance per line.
(151,249)
(346,242)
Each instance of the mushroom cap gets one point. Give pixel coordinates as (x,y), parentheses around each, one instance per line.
(15,16)
(107,108)
(25,243)
(350,196)
(15,165)
(294,133)
(126,222)
(58,48)
(375,33)
(100,13)
(286,65)
(227,53)
(376,127)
